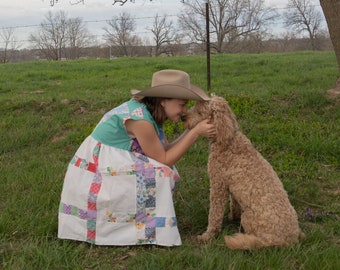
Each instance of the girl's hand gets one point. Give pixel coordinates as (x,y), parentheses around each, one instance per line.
(205,128)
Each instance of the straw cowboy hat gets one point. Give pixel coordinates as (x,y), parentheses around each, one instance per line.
(170,83)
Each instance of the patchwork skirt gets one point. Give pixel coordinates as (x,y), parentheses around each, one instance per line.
(115,197)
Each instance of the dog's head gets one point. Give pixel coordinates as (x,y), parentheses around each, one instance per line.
(197,113)
(217,109)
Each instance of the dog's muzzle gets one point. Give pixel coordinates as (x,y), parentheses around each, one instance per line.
(183,118)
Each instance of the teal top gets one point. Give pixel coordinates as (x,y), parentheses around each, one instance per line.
(111,128)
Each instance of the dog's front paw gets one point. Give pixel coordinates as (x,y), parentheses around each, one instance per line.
(205,237)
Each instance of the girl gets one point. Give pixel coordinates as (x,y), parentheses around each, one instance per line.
(118,186)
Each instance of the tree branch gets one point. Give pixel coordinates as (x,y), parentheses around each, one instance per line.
(122,2)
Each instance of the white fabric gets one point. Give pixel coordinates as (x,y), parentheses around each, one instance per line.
(114,197)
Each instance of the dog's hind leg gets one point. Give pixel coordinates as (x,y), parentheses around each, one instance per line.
(219,194)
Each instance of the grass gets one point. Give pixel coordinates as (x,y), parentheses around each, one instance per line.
(48,108)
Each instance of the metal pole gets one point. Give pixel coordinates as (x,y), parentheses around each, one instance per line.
(208,44)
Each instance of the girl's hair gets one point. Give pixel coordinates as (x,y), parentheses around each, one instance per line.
(153,104)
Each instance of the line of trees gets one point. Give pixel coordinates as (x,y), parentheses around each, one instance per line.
(235,26)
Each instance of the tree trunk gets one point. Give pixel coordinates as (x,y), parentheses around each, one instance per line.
(331,10)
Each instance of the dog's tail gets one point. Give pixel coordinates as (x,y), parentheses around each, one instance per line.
(250,242)
(244,241)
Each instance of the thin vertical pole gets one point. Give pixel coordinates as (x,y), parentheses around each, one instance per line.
(208,44)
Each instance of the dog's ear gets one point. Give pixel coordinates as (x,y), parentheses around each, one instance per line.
(224,119)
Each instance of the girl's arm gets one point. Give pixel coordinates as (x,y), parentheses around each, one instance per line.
(169,145)
(152,146)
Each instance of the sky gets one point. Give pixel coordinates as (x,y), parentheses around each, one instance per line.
(26,15)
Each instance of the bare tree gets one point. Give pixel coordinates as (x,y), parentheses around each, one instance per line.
(59,36)
(120,34)
(51,38)
(230,20)
(164,34)
(10,44)
(192,22)
(302,16)
(77,37)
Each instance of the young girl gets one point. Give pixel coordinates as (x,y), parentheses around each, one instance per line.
(118,186)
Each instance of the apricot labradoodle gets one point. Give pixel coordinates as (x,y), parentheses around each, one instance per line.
(239,172)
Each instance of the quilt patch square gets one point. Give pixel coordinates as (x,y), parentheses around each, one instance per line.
(150,233)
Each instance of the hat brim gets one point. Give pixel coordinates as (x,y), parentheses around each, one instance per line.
(173,91)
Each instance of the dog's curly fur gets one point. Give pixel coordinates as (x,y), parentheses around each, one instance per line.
(239,172)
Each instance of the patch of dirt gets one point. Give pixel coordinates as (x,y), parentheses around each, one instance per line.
(335,192)
(333,93)
(57,138)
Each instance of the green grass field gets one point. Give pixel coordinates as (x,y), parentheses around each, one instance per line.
(48,108)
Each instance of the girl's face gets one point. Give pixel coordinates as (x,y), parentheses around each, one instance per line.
(174,108)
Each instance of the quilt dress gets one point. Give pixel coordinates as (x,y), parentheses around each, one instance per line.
(115,195)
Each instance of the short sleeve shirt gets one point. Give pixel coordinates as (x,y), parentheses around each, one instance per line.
(111,128)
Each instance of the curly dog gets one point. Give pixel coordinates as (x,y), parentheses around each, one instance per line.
(239,172)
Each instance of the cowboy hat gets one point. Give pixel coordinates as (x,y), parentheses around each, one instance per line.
(170,83)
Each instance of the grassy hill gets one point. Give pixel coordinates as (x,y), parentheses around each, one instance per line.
(48,108)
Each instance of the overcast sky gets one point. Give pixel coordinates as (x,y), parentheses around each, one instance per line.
(26,15)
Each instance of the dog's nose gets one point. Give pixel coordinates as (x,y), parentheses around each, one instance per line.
(183,118)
